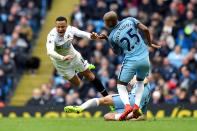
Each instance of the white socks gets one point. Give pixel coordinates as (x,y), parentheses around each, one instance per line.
(139,92)
(90,103)
(117,116)
(122,90)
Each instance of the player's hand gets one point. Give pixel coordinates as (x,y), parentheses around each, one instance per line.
(94,36)
(68,58)
(155,45)
(103,36)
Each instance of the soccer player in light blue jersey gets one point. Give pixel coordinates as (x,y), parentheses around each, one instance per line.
(114,100)
(125,38)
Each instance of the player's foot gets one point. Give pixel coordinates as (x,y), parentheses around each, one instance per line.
(112,108)
(128,109)
(73,109)
(137,111)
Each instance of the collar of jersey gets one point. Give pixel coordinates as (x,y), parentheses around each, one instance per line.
(118,24)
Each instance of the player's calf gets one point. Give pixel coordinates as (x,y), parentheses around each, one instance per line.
(88,75)
(95,81)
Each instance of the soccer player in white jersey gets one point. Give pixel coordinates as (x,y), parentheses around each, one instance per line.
(65,58)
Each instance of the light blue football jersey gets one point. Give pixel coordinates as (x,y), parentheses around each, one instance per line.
(126,39)
(119,106)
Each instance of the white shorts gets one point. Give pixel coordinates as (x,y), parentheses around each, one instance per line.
(69,69)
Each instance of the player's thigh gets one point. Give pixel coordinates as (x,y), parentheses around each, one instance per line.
(66,71)
(107,100)
(88,75)
(69,74)
(143,68)
(80,65)
(128,70)
(75,80)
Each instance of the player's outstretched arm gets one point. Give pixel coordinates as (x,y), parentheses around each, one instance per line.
(83,34)
(51,52)
(80,33)
(145,29)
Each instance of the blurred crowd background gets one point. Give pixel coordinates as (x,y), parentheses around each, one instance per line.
(20,21)
(172,23)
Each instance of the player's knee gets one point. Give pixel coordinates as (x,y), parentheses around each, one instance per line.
(105,101)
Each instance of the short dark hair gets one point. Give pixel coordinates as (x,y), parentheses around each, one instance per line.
(61,18)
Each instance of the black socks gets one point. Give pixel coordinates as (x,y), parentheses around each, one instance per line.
(99,86)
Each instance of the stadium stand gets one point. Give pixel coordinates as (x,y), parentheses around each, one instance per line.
(29,82)
(20,21)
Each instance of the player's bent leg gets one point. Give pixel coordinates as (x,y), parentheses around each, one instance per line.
(88,75)
(75,80)
(107,100)
(95,81)
(86,105)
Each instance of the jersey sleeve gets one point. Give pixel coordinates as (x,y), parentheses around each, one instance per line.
(80,33)
(50,45)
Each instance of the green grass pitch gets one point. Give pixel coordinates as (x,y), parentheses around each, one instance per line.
(93,124)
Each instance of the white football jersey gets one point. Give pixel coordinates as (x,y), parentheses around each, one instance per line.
(58,47)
